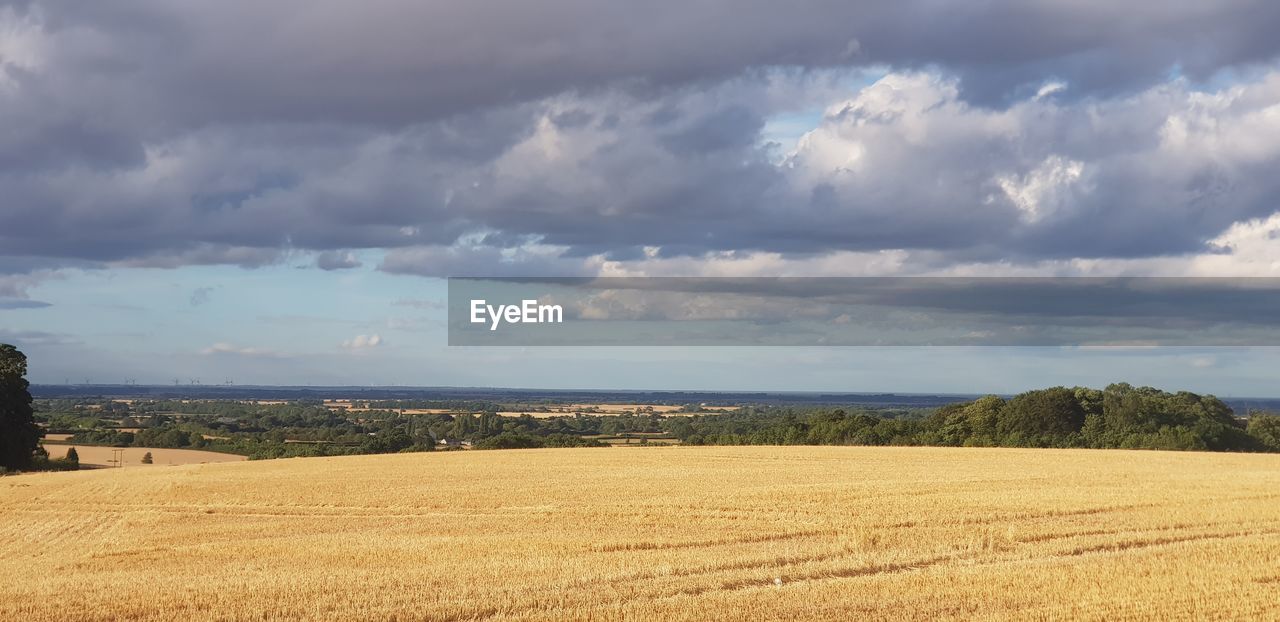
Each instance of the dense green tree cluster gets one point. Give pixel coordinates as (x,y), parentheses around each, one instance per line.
(1266,428)
(19,435)
(106,437)
(1120,416)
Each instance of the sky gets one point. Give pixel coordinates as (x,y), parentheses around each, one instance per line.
(271,193)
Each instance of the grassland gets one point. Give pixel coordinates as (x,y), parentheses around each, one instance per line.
(726,533)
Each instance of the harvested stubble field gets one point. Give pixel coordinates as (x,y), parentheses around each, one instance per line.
(91,456)
(663,533)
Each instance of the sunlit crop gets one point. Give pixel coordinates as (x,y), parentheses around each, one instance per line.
(729,533)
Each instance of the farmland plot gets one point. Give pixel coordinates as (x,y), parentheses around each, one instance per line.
(726,533)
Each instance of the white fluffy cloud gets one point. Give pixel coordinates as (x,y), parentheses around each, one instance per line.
(363,342)
(904,176)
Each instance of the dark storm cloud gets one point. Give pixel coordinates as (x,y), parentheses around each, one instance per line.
(522,137)
(394,61)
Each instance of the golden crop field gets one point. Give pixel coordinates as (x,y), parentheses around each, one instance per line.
(91,456)
(665,533)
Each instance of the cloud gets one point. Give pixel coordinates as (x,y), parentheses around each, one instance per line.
(465,260)
(1039,180)
(567,138)
(201,295)
(1126,177)
(199,254)
(22,303)
(337,260)
(36,338)
(396,61)
(224,348)
(888,311)
(420,304)
(363,342)
(1105,302)
(19,275)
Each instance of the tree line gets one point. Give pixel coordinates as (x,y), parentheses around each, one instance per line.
(1120,416)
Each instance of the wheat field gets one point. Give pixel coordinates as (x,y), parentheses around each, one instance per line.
(663,533)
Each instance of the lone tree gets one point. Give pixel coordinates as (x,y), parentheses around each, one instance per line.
(73,456)
(19,436)
(147,459)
